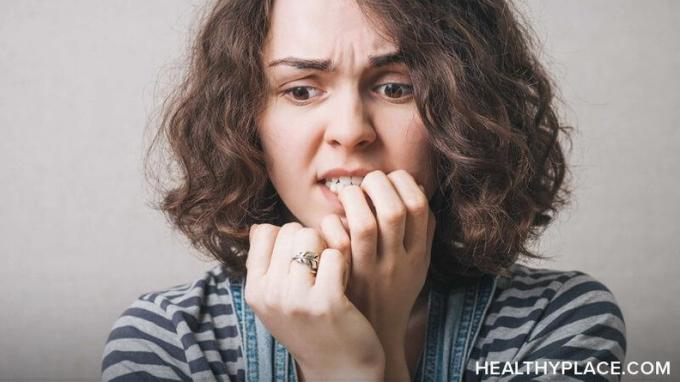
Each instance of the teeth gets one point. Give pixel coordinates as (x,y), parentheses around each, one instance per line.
(337,184)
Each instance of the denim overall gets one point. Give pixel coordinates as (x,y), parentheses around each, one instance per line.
(455,316)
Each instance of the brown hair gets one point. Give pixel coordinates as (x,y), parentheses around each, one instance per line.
(485,100)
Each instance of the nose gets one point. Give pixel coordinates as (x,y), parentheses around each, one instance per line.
(349,125)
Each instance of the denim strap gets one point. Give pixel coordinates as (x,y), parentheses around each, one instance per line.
(455,318)
(266,359)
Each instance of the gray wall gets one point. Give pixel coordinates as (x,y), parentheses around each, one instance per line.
(80,80)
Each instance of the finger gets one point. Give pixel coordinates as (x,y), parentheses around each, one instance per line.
(300,276)
(336,237)
(282,253)
(262,238)
(363,229)
(335,234)
(417,208)
(331,280)
(390,212)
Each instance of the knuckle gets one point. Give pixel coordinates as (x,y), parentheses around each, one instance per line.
(267,227)
(322,307)
(417,205)
(400,174)
(337,240)
(263,231)
(294,308)
(365,228)
(308,232)
(395,215)
(292,226)
(263,226)
(320,310)
(272,300)
(342,244)
(373,175)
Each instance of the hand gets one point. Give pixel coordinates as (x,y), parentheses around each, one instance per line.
(390,251)
(311,316)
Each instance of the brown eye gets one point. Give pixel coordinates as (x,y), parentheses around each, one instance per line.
(301,93)
(395,91)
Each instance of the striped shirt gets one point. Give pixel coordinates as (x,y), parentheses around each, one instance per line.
(190,332)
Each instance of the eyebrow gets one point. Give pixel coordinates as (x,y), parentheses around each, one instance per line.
(328,66)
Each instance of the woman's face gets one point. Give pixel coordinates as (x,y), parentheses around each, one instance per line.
(339,105)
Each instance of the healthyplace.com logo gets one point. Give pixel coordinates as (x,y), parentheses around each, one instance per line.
(498,368)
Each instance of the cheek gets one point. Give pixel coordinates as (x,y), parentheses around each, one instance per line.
(282,129)
(272,132)
(274,154)
(286,147)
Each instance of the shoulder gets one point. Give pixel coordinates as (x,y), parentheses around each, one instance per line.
(543,314)
(556,292)
(186,332)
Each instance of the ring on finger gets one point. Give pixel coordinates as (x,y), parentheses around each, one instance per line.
(308,258)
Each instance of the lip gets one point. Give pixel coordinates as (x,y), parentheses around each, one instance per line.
(338,172)
(332,198)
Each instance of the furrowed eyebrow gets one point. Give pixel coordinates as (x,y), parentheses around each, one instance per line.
(386,59)
(328,66)
(303,63)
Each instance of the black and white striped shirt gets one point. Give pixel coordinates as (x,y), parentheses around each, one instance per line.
(190,332)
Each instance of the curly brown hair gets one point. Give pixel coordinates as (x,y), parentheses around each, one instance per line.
(486,102)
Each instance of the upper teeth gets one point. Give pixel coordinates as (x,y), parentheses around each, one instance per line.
(337,184)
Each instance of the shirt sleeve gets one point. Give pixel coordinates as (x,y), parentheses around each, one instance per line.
(581,327)
(186,333)
(144,345)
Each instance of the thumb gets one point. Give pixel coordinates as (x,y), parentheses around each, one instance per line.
(333,273)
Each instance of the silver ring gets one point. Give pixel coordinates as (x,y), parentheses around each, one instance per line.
(308,258)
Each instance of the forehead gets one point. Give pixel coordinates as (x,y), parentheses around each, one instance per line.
(323,29)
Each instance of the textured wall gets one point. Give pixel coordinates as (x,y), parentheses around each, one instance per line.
(80,80)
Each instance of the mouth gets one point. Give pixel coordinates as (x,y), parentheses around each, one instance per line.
(335,185)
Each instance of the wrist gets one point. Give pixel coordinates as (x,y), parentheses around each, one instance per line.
(393,345)
(396,367)
(349,372)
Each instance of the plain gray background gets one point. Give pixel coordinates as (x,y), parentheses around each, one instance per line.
(81,80)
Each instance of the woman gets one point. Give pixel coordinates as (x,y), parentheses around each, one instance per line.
(368,174)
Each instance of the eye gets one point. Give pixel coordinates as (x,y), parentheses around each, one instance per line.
(395,91)
(302,93)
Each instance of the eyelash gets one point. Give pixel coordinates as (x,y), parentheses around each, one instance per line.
(409,90)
